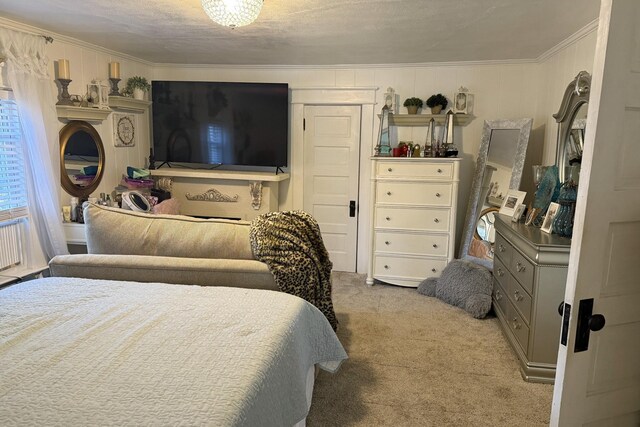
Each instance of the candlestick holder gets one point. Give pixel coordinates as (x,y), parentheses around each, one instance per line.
(114,87)
(65,98)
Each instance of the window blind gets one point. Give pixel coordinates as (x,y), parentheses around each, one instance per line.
(13,191)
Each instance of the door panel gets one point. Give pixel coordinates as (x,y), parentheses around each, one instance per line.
(331,173)
(601,385)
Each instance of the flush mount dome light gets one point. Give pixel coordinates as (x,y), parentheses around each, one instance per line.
(232,13)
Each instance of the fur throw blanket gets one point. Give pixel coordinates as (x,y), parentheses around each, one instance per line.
(291,245)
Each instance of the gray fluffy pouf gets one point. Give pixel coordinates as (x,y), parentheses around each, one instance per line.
(462,284)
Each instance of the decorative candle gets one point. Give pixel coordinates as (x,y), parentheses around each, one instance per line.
(63,69)
(114,70)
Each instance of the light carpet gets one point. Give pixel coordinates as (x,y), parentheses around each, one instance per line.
(416,361)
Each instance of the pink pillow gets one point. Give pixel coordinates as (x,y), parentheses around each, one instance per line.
(169,207)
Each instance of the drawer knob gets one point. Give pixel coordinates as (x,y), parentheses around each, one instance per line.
(386,267)
(439,170)
(436,220)
(388,193)
(520,267)
(500,272)
(388,219)
(498,296)
(386,243)
(435,246)
(433,270)
(515,323)
(518,296)
(501,248)
(437,194)
(390,170)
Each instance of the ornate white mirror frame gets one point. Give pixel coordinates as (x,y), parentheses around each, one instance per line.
(523,126)
(575,96)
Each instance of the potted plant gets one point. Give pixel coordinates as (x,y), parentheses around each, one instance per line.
(437,103)
(136,87)
(413,104)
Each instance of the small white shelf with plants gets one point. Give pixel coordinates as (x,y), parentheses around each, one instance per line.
(89,114)
(423,119)
(128,104)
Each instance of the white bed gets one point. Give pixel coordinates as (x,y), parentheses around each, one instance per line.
(80,351)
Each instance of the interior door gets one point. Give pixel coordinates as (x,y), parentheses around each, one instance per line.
(601,385)
(331,172)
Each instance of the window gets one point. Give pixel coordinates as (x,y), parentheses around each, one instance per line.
(13,192)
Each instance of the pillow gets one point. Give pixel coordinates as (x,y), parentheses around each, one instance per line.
(167,207)
(463,284)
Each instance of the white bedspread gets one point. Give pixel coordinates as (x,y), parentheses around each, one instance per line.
(98,352)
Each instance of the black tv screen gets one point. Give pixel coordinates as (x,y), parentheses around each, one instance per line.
(220,123)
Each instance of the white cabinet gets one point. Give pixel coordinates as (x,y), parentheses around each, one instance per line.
(413,218)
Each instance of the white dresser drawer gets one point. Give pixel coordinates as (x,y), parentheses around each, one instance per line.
(419,219)
(414,193)
(412,244)
(411,268)
(413,170)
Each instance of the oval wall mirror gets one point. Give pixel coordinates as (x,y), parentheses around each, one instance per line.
(81,158)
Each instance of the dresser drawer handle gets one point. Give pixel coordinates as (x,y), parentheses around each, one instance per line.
(501,248)
(387,243)
(388,193)
(388,219)
(520,267)
(436,220)
(435,246)
(439,170)
(386,267)
(518,296)
(390,170)
(498,296)
(500,272)
(433,270)
(437,194)
(516,325)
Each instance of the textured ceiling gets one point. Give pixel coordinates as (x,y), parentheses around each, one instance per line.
(315,32)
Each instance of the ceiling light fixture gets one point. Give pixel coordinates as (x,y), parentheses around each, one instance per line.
(232,13)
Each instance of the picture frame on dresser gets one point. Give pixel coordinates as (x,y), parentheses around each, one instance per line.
(549,217)
(512,200)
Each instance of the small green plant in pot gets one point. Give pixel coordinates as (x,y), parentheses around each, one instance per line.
(413,104)
(136,86)
(437,103)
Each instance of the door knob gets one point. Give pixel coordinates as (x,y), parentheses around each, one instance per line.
(596,322)
(561,308)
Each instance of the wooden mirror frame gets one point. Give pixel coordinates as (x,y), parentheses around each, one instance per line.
(473,210)
(575,96)
(65,134)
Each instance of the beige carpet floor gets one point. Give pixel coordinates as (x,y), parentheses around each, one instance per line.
(416,361)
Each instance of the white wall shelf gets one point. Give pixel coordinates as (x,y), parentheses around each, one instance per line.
(131,105)
(221,174)
(68,112)
(423,119)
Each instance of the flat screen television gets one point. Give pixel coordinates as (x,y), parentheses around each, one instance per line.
(220,123)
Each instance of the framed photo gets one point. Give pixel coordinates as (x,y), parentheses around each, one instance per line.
(124,130)
(512,200)
(548,219)
(518,212)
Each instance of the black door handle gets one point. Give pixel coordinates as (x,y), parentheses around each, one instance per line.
(352,208)
(587,322)
(561,308)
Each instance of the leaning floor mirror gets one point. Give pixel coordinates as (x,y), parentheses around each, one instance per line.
(499,166)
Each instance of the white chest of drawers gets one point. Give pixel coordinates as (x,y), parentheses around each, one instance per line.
(413,218)
(530,271)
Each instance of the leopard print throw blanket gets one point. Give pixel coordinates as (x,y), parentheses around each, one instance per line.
(291,245)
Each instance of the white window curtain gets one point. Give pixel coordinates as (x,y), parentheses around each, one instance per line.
(28,77)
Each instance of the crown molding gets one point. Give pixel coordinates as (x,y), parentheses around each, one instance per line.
(573,38)
(19,26)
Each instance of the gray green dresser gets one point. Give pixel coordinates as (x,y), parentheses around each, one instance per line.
(530,271)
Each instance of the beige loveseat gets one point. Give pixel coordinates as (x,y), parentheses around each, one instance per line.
(127,245)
